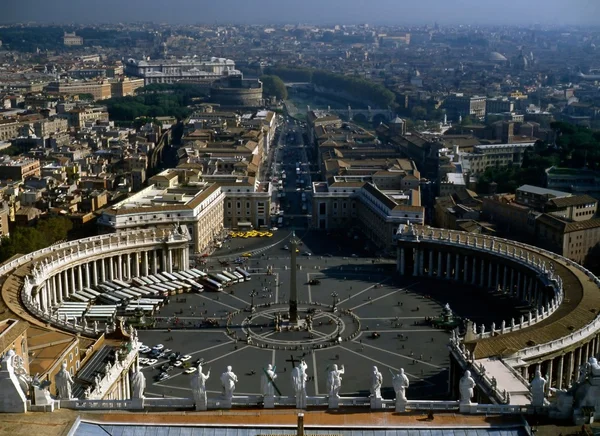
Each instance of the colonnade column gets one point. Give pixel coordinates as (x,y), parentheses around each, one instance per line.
(136,269)
(416,262)
(518,291)
(145,264)
(73,286)
(466,269)
(80,276)
(512,282)
(111,268)
(430,264)
(169,267)
(95,272)
(120,266)
(559,373)
(497,277)
(570,368)
(448,266)
(549,376)
(456,266)
(155,261)
(482,274)
(504,279)
(402,260)
(87,275)
(128,256)
(474,274)
(59,282)
(490,271)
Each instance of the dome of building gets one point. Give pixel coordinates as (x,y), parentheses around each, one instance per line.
(497,57)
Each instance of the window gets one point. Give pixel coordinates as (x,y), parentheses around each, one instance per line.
(70,357)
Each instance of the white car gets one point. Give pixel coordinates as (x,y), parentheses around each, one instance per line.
(186,358)
(307,253)
(178,363)
(144,350)
(143,361)
(151,361)
(191,370)
(158,347)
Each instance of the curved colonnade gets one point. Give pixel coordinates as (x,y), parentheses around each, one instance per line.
(46,278)
(561,330)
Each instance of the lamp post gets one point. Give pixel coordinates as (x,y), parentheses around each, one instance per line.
(334,295)
(252,294)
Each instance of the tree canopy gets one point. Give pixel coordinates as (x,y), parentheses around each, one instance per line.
(274,86)
(23,240)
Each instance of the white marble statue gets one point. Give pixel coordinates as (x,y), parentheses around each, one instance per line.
(138,384)
(400,383)
(228,380)
(267,380)
(594,367)
(7,362)
(376,382)
(198,385)
(64,383)
(334,381)
(299,378)
(537,389)
(466,388)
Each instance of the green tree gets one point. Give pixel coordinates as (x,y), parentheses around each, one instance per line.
(274,86)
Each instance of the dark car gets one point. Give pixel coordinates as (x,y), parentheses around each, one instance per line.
(314,282)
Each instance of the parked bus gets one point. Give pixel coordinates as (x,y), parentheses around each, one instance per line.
(220,278)
(243,272)
(211,284)
(232,277)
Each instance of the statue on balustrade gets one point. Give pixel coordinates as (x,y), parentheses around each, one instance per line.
(376,382)
(537,389)
(299,378)
(228,380)
(400,383)
(64,383)
(267,381)
(138,384)
(198,385)
(334,381)
(466,386)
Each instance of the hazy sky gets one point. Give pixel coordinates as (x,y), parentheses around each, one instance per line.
(305,11)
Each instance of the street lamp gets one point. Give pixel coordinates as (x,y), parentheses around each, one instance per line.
(252,294)
(334,295)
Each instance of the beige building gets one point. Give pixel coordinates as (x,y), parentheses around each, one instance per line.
(375,212)
(71,39)
(574,240)
(19,168)
(9,129)
(164,203)
(125,87)
(100,90)
(4,218)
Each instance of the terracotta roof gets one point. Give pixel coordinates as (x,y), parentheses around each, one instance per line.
(574,200)
(13,328)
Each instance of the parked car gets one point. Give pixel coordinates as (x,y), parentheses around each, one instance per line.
(178,363)
(191,370)
(186,358)
(158,347)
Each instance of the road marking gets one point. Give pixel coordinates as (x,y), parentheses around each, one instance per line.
(309,288)
(220,302)
(236,297)
(388,366)
(401,355)
(315,379)
(383,296)
(227,354)
(363,291)
(276,288)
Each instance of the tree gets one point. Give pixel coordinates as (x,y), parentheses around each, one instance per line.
(86,97)
(274,86)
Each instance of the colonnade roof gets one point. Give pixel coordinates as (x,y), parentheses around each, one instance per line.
(579,308)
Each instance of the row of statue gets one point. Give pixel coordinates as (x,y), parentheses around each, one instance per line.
(299,378)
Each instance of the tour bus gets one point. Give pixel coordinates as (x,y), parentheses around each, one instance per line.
(244,273)
(138,281)
(111,286)
(195,286)
(220,278)
(239,276)
(149,291)
(163,292)
(121,283)
(121,294)
(232,277)
(130,291)
(83,293)
(109,299)
(161,277)
(170,276)
(178,276)
(183,284)
(199,274)
(103,288)
(211,284)
(91,292)
(80,298)
(187,274)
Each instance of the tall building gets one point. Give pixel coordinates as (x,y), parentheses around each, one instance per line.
(71,39)
(460,105)
(176,70)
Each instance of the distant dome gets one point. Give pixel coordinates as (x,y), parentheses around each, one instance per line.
(497,57)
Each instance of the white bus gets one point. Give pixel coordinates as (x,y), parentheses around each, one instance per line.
(211,284)
(243,272)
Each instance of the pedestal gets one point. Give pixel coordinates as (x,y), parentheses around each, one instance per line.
(376,403)
(401,405)
(334,402)
(12,398)
(468,407)
(269,402)
(137,403)
(225,403)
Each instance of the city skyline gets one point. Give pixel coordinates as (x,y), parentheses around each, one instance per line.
(577,12)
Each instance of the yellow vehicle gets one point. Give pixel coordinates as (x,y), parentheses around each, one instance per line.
(269,235)
(247,255)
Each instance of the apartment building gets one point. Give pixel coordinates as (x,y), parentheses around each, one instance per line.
(495,155)
(19,168)
(377,213)
(71,39)
(9,129)
(100,90)
(460,105)
(574,240)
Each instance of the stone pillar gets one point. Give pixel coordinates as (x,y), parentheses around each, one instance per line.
(95,272)
(559,372)
(512,282)
(518,291)
(416,262)
(439,264)
(73,287)
(402,261)
(136,268)
(524,373)
(571,368)
(549,376)
(448,266)
(169,267)
(430,264)
(120,266)
(577,358)
(44,305)
(586,352)
(474,272)
(497,277)
(456,266)
(59,282)
(482,274)
(504,283)
(490,272)
(466,268)
(155,260)
(80,276)
(111,267)
(145,264)
(87,275)
(103,269)
(128,257)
